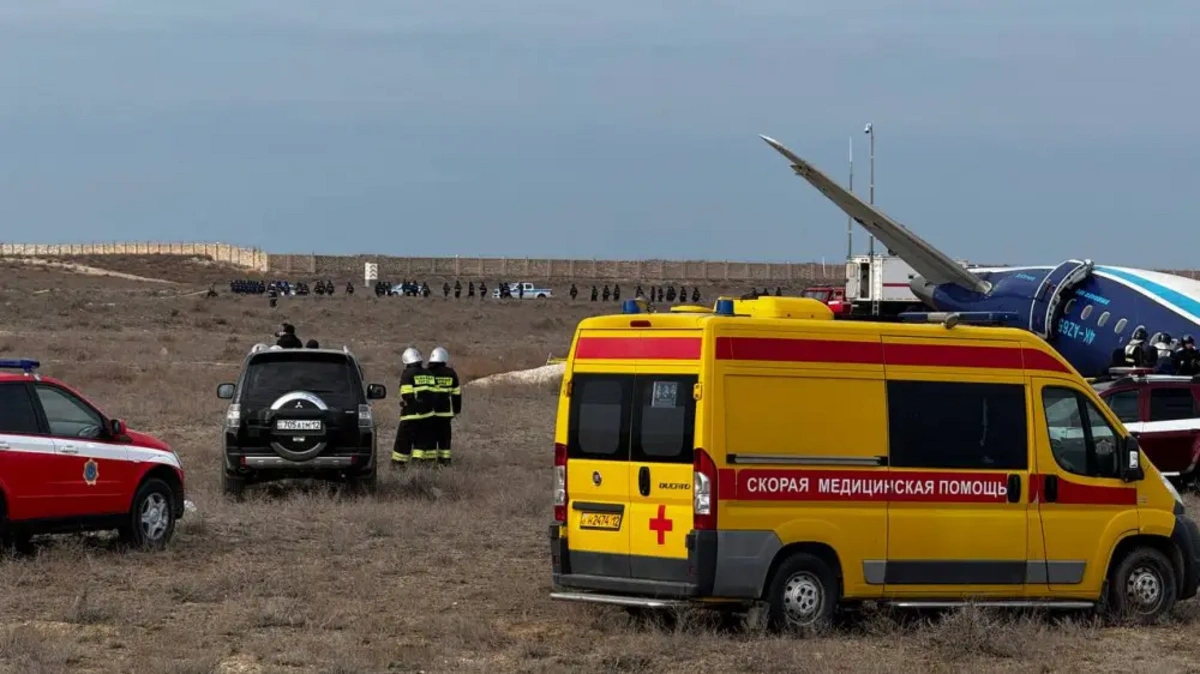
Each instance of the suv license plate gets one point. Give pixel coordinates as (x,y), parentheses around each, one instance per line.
(298,425)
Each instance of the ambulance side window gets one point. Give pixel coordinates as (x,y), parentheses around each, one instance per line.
(664,426)
(933,424)
(1080,438)
(599,422)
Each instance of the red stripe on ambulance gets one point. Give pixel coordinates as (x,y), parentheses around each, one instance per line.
(876,353)
(799,350)
(1075,493)
(845,485)
(638,348)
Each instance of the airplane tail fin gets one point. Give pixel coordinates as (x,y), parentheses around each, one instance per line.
(932,264)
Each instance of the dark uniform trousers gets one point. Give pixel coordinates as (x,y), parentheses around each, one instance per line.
(447,403)
(441,431)
(414,441)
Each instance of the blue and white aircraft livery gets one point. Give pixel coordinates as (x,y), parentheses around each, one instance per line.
(1085,311)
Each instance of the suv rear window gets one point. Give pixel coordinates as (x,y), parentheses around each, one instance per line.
(646,418)
(330,376)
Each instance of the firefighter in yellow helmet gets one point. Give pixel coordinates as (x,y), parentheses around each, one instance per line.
(447,401)
(416,408)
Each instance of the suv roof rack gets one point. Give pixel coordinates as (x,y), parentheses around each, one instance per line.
(261,346)
(1140,375)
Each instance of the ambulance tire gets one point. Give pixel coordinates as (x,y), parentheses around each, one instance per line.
(802,595)
(151,521)
(1142,587)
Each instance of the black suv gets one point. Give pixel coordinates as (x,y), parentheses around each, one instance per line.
(299,413)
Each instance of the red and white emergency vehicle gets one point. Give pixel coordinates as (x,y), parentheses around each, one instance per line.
(67,466)
(876,287)
(1163,411)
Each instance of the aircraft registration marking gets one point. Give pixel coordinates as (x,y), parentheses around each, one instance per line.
(1068,328)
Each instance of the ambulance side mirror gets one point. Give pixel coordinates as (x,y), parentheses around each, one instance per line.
(1131,460)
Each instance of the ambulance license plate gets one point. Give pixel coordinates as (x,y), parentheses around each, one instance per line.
(605,521)
(298,424)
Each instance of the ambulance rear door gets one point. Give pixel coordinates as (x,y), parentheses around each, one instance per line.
(661,445)
(601,407)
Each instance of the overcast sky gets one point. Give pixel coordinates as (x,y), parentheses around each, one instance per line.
(1007,132)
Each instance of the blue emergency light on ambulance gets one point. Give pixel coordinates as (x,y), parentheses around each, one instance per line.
(1088,313)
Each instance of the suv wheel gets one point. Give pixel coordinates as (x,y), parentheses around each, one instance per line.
(232,485)
(18,542)
(298,407)
(151,521)
(363,485)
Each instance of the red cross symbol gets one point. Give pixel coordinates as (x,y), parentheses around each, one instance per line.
(661,525)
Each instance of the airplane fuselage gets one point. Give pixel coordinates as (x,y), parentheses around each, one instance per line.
(1084,311)
(1094,317)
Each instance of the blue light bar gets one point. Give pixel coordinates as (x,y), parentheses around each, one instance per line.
(630,307)
(19,364)
(961,317)
(724,308)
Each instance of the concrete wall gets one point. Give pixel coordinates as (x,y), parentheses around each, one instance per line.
(533,269)
(247,258)
(487,269)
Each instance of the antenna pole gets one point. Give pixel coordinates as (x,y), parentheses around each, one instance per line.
(850,220)
(876,271)
(871,193)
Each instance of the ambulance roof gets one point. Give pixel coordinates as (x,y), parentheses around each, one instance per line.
(791,315)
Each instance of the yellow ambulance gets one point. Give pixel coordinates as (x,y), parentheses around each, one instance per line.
(761,451)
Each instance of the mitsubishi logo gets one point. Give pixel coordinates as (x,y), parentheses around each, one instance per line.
(299,405)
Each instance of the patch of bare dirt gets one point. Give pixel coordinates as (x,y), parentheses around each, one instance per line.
(443,570)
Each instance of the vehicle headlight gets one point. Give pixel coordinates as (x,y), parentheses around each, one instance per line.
(1171,488)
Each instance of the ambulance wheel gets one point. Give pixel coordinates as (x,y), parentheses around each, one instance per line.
(151,521)
(802,594)
(1142,587)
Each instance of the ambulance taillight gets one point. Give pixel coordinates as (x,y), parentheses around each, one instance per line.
(560,482)
(704,491)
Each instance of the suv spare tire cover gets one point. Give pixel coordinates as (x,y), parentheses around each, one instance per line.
(298,445)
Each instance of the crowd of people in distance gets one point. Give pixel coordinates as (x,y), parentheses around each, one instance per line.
(284,287)
(668,293)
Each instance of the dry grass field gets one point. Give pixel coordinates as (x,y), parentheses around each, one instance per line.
(442,571)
